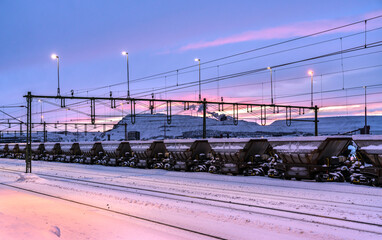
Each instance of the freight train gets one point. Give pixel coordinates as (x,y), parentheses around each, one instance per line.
(356,159)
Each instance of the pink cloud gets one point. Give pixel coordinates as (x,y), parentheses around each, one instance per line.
(280,32)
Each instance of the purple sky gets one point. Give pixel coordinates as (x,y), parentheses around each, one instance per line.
(167,35)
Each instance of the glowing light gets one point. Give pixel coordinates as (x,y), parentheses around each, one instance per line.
(197,60)
(310,72)
(269,68)
(54,56)
(336,108)
(124,53)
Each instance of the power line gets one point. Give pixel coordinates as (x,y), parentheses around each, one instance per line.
(246,52)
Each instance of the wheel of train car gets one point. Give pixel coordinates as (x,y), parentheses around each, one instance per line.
(318,178)
(245,172)
(374,182)
(298,179)
(341,178)
(283,176)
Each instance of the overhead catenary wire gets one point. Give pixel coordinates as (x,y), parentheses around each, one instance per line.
(244,52)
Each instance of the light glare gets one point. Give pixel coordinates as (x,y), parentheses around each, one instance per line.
(53,56)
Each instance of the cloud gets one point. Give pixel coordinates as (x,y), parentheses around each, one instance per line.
(280,32)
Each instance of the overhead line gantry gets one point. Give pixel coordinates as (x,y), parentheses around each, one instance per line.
(186,103)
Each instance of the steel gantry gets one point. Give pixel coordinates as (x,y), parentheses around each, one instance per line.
(169,102)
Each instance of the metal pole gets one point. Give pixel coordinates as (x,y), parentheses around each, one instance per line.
(128,77)
(126,132)
(365,110)
(270,70)
(204,118)
(58,76)
(45,132)
(311,90)
(40,109)
(200,87)
(315,120)
(28,162)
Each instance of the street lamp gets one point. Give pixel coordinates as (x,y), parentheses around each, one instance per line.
(200,87)
(310,72)
(127,69)
(54,56)
(270,69)
(41,109)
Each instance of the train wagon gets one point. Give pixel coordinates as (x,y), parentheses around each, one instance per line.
(37,150)
(14,150)
(370,147)
(188,154)
(68,152)
(4,150)
(51,151)
(310,157)
(87,152)
(116,153)
(22,151)
(146,153)
(240,156)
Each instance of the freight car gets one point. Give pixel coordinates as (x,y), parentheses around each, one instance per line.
(187,155)
(146,153)
(321,158)
(240,156)
(371,172)
(116,153)
(4,150)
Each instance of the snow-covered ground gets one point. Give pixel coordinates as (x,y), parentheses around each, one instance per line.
(72,201)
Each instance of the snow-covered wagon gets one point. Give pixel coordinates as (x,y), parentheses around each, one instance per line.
(240,156)
(188,154)
(146,153)
(370,147)
(116,153)
(321,158)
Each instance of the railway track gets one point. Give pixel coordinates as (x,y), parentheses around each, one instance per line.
(244,193)
(114,211)
(242,182)
(219,181)
(253,194)
(192,198)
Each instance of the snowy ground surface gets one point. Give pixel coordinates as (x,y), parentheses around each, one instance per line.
(73,201)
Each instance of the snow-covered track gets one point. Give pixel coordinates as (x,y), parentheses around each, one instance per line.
(219,190)
(60,168)
(114,211)
(232,205)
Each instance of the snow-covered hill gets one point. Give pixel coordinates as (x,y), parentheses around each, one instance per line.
(182,126)
(155,127)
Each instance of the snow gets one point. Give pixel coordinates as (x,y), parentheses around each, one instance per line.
(373,148)
(230,207)
(185,126)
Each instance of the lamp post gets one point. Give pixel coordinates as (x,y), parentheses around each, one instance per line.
(270,69)
(54,56)
(200,87)
(41,109)
(311,87)
(127,69)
